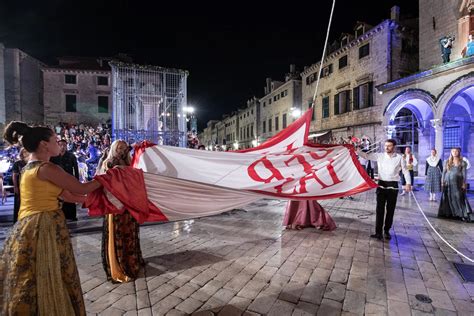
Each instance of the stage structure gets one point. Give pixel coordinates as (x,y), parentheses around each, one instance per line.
(148,104)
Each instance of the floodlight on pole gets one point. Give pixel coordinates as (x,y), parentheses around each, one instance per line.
(188,109)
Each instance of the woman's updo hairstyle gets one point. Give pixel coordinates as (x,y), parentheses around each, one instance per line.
(27,136)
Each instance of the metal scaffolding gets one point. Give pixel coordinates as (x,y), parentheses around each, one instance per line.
(148,104)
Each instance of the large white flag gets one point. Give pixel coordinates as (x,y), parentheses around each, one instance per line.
(184,183)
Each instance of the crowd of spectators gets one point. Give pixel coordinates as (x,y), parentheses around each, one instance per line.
(86,142)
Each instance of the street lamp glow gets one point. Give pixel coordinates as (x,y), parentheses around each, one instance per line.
(296,113)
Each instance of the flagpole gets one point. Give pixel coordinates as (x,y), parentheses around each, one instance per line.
(324,54)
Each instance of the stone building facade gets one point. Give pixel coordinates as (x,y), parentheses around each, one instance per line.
(21,87)
(440,18)
(248,124)
(346,103)
(78,90)
(220,133)
(3,110)
(279,105)
(207,138)
(231,127)
(434,108)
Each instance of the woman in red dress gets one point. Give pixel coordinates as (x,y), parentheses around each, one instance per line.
(307,213)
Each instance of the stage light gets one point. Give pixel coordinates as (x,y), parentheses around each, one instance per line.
(188,109)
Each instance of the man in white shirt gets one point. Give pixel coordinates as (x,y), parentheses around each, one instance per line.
(389,164)
(411,163)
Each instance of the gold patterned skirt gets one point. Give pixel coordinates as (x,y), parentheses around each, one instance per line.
(121,253)
(40,272)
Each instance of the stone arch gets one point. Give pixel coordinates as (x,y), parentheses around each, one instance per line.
(419,101)
(451,91)
(456,108)
(421,105)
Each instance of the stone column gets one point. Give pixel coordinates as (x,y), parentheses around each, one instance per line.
(437,124)
(424,148)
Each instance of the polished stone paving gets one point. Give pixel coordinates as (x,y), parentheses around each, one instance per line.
(244,262)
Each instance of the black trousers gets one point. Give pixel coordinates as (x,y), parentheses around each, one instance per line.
(69,210)
(446,57)
(386,200)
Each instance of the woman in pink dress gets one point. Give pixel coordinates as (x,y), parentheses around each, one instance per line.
(307,213)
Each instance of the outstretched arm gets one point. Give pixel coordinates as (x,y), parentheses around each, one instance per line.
(367,156)
(62,179)
(72,198)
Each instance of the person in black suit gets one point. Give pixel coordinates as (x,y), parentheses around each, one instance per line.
(68,162)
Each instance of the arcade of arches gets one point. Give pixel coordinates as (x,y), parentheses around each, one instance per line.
(416,118)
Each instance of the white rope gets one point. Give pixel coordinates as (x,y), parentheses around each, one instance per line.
(324,54)
(447,243)
(393,188)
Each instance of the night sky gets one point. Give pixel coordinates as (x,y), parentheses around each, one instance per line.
(229,47)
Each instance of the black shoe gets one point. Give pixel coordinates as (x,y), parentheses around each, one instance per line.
(378,236)
(387,235)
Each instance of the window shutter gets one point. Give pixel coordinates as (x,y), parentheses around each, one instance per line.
(348,101)
(355,97)
(371,94)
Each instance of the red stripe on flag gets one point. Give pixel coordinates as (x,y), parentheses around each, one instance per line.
(138,150)
(128,186)
(285,133)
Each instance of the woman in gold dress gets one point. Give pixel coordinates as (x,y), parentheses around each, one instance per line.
(41,276)
(121,252)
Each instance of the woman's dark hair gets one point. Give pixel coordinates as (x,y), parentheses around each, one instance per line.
(29,137)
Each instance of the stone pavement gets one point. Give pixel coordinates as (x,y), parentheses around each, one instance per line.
(245,263)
